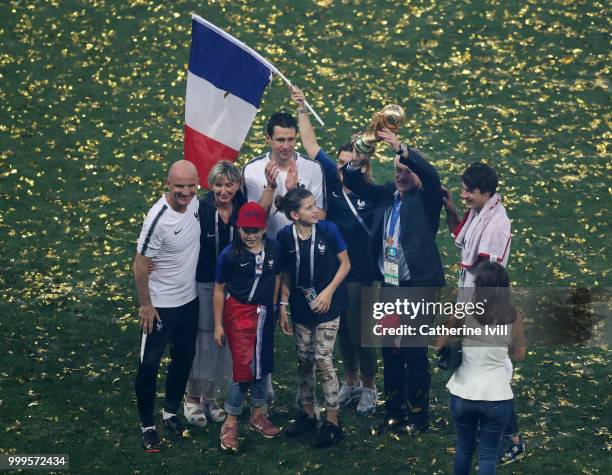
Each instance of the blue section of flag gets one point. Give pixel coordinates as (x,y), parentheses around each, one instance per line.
(226,65)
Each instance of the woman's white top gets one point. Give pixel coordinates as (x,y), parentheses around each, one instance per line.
(483,374)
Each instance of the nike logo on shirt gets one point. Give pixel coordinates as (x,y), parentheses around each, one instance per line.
(176,232)
(210,235)
(245,264)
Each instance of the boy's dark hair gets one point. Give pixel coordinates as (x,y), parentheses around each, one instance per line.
(281,119)
(292,201)
(348,147)
(492,288)
(481,176)
(345,147)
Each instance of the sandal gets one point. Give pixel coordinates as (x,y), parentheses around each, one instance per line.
(214,411)
(194,413)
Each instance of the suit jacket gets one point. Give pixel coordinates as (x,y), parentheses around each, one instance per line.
(419,219)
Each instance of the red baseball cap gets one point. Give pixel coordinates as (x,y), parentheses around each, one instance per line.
(251,215)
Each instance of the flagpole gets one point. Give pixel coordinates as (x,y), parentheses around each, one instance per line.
(316,116)
(267,63)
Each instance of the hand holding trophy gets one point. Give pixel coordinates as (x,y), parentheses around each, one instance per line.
(390,117)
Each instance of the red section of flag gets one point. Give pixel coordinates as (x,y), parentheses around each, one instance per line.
(204,152)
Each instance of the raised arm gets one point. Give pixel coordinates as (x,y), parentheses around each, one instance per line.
(356,182)
(307,134)
(309,140)
(430,181)
(416,161)
(452,216)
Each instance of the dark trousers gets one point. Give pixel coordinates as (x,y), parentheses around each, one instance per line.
(478,420)
(179,327)
(355,357)
(407,374)
(407,381)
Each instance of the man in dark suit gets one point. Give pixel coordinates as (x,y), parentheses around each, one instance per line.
(404,247)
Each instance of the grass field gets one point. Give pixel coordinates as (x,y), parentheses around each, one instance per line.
(91,114)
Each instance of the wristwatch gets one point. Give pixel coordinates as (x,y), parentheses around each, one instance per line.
(402,149)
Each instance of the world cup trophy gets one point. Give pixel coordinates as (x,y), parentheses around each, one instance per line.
(391,117)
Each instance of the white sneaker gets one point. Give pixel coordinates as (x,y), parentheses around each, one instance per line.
(348,394)
(367,401)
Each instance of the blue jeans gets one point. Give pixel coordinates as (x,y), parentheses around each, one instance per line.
(511,428)
(237,393)
(490,417)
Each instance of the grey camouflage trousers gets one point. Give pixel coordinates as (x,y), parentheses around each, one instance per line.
(314,348)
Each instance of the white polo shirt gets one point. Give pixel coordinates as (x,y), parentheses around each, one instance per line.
(172,240)
(310,175)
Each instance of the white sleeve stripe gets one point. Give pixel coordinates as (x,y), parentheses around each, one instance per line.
(145,244)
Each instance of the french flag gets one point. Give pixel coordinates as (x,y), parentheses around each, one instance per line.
(225,82)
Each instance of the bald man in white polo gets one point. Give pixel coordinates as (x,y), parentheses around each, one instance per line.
(169,243)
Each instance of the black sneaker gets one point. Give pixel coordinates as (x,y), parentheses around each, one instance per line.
(301,425)
(328,435)
(512,453)
(391,424)
(415,429)
(175,426)
(150,441)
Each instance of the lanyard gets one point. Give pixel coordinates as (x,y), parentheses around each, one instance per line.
(355,213)
(297,254)
(217,232)
(393,219)
(262,259)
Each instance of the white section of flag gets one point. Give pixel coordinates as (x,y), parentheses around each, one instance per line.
(226,119)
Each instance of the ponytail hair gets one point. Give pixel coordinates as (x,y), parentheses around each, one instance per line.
(292,201)
(492,289)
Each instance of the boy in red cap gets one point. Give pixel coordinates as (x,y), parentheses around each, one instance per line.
(248,272)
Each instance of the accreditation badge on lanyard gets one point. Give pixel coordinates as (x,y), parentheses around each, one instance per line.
(259,263)
(390,247)
(310,294)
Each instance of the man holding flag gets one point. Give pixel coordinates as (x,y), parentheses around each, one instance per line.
(225,83)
